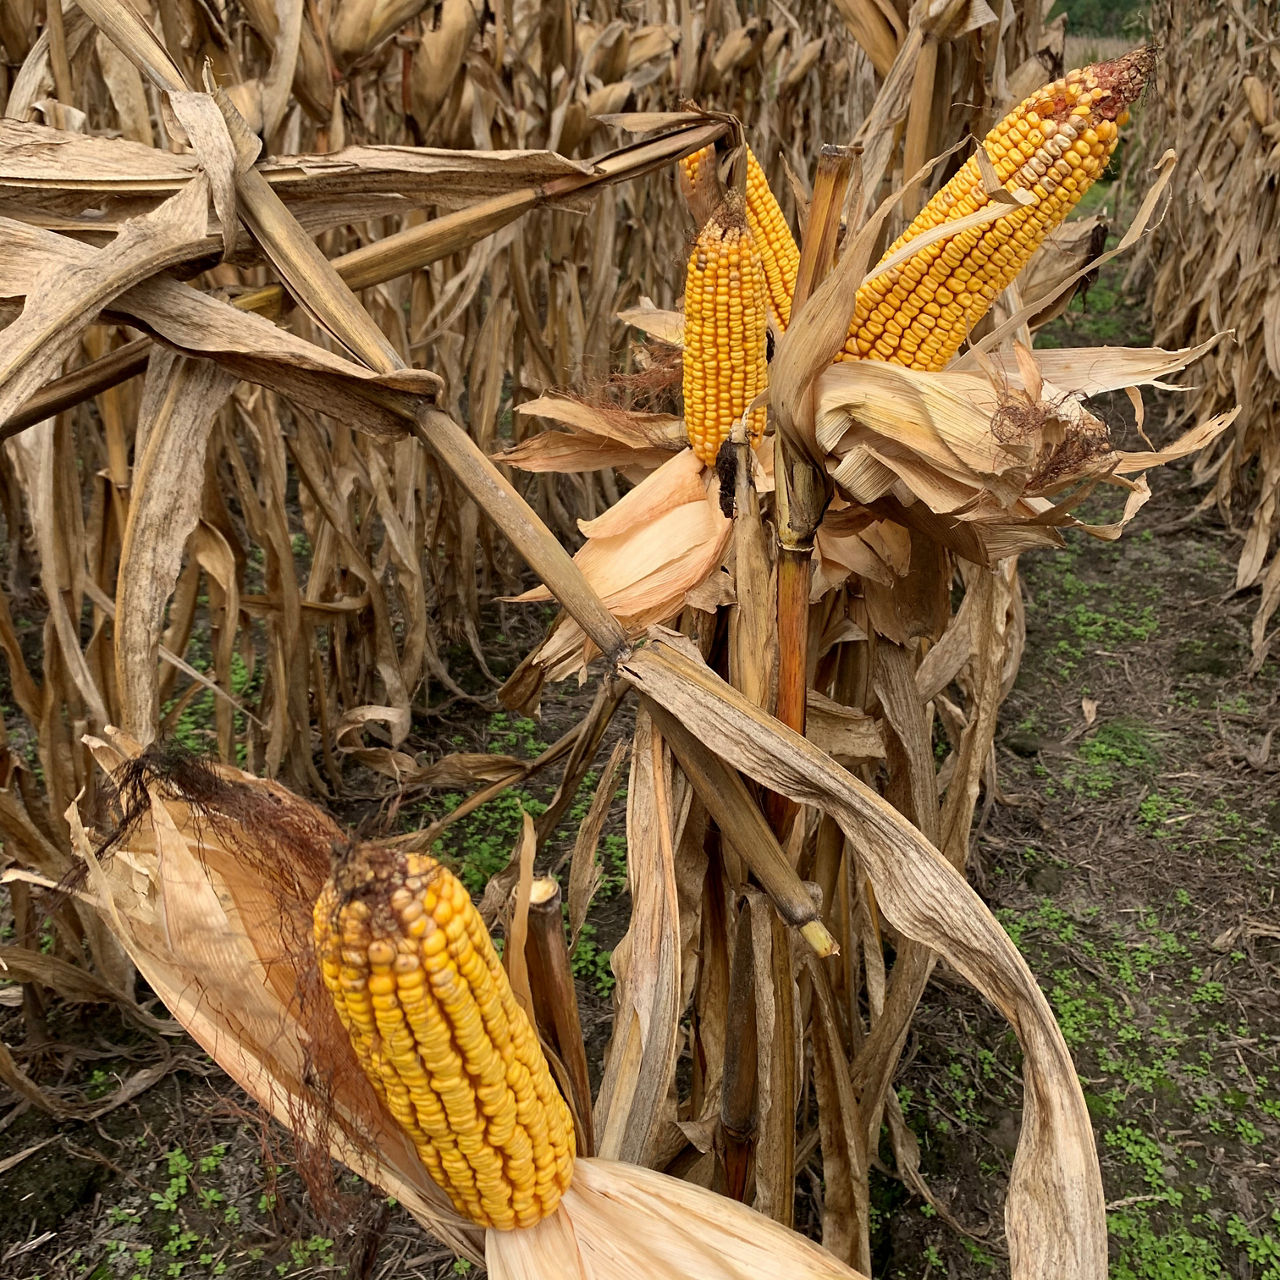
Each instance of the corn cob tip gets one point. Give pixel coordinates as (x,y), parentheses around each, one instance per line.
(1102,91)
(731,213)
(1123,79)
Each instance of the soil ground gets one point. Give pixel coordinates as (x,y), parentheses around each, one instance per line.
(1134,856)
(1135,860)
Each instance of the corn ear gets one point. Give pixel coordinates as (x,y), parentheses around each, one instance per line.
(1054,145)
(725,331)
(437,1030)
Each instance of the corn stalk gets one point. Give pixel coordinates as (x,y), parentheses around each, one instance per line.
(374,444)
(1215,263)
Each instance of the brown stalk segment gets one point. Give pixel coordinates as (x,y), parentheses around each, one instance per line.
(822,229)
(793,634)
(725,795)
(802,490)
(555,999)
(738,1093)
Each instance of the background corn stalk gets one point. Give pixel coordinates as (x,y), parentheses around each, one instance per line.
(1216,257)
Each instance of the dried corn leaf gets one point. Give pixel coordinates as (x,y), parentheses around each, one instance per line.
(640,1059)
(180,402)
(64,297)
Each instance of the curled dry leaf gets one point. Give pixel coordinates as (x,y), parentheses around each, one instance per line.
(181,401)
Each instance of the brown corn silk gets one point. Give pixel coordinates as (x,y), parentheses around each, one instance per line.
(437,1029)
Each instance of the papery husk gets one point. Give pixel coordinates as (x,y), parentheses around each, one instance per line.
(599,436)
(623,1222)
(666,326)
(977,460)
(440,54)
(1089,371)
(643,556)
(220,929)
(878,550)
(1069,247)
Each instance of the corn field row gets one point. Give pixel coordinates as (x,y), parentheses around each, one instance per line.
(1216,261)
(324,326)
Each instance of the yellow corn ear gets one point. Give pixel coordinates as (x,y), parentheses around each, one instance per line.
(437,1030)
(774,242)
(725,331)
(1053,145)
(698,180)
(779,254)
